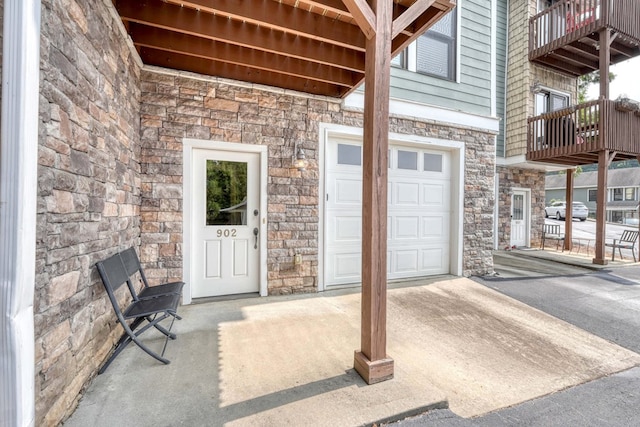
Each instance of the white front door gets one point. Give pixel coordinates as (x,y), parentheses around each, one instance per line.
(225,248)
(519,218)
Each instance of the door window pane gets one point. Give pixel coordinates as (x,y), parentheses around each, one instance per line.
(349,155)
(226,193)
(518,203)
(408,160)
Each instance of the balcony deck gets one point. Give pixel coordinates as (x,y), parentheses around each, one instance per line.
(565,37)
(574,136)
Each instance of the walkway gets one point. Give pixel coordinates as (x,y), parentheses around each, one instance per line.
(280,361)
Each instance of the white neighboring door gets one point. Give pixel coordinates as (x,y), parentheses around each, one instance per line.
(519,217)
(419,211)
(225,248)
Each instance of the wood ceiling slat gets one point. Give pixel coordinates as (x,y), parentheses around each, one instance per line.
(282,17)
(576,59)
(313,46)
(215,68)
(189,21)
(162,39)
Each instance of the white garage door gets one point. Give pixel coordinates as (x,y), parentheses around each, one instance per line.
(418,223)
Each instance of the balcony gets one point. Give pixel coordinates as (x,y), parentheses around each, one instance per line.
(565,37)
(574,136)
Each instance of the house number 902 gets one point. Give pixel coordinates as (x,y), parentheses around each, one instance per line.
(227,233)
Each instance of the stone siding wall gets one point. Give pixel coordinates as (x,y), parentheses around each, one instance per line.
(510,178)
(177,106)
(88,195)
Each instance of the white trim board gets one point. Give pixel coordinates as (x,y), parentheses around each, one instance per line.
(430,113)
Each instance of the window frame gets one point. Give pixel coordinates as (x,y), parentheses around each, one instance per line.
(549,94)
(452,44)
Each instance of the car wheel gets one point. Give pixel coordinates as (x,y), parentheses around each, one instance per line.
(583,219)
(558,217)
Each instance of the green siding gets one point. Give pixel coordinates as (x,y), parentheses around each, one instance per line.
(473,93)
(501,66)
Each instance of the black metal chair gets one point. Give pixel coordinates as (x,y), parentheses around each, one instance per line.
(132,265)
(626,241)
(152,310)
(552,232)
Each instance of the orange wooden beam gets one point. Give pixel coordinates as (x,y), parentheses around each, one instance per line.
(363,15)
(410,15)
(186,44)
(189,21)
(237,72)
(282,17)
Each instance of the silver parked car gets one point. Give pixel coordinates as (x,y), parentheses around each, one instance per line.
(558,210)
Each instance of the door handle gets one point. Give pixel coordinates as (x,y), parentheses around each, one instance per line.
(255,234)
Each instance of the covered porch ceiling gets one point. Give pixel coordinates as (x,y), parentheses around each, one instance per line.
(312,46)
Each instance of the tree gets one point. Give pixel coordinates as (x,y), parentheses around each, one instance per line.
(585,81)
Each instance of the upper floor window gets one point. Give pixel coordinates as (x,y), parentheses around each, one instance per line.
(617,194)
(400,60)
(436,49)
(547,101)
(623,194)
(630,193)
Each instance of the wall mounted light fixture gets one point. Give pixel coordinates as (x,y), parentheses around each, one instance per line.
(299,161)
(536,87)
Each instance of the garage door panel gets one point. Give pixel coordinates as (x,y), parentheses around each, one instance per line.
(434,194)
(407,193)
(405,261)
(345,267)
(434,259)
(345,228)
(406,227)
(435,226)
(348,191)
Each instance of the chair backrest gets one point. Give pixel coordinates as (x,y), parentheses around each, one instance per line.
(629,236)
(551,229)
(132,264)
(130,261)
(113,275)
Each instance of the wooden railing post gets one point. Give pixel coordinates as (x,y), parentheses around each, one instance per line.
(568,216)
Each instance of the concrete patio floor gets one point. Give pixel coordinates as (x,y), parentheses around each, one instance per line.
(281,361)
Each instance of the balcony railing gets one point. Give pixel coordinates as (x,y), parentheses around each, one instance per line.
(574,136)
(565,36)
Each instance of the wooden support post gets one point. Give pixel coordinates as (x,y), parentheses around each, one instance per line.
(568,215)
(372,362)
(601,207)
(603,156)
